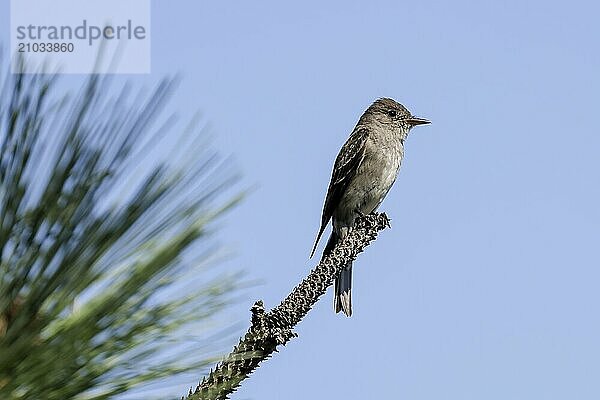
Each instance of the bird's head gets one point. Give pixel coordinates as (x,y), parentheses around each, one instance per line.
(393,115)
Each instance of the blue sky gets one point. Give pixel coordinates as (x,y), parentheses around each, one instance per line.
(487,284)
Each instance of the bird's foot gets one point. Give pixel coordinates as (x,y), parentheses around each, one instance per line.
(360,213)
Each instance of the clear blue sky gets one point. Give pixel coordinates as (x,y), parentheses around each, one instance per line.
(487,285)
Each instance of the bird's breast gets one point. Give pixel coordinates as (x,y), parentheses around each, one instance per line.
(371,183)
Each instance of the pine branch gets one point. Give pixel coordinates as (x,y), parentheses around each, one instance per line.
(268,330)
(98,240)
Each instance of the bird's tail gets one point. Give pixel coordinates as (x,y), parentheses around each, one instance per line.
(342,300)
(342,296)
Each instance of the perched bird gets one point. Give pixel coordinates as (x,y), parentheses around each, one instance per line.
(363,173)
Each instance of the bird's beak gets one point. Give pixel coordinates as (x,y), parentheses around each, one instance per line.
(417,121)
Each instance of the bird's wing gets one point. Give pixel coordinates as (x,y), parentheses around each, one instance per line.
(344,169)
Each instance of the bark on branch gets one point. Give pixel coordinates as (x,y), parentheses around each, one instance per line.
(273,328)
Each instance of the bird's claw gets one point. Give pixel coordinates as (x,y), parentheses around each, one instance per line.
(360,213)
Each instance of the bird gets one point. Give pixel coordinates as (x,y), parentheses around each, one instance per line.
(363,173)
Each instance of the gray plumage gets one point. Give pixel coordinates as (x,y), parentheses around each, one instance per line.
(363,173)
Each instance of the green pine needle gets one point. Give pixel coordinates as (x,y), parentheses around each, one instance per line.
(88,254)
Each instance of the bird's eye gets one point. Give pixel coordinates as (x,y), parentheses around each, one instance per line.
(392,113)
